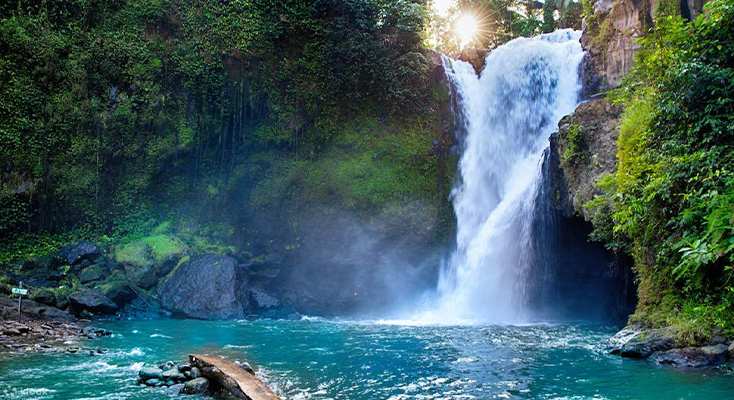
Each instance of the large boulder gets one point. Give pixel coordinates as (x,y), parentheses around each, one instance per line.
(196,386)
(94,273)
(209,286)
(141,275)
(76,253)
(119,291)
(694,357)
(635,341)
(147,260)
(93,301)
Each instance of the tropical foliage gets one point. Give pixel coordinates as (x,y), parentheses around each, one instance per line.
(672,198)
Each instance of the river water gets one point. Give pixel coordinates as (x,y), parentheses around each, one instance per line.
(365,360)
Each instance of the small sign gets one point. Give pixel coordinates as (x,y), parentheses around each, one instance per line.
(20,291)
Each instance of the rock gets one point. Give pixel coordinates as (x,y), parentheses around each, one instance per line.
(75,254)
(154,382)
(167,365)
(119,291)
(475,57)
(246,366)
(174,375)
(45,296)
(175,389)
(209,286)
(635,342)
(161,253)
(150,373)
(32,311)
(194,373)
(92,301)
(94,273)
(141,275)
(262,300)
(95,332)
(694,357)
(184,367)
(196,386)
(595,125)
(231,377)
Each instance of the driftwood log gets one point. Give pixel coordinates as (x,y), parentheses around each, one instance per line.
(242,384)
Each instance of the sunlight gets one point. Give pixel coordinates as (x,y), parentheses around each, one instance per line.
(442,7)
(466,28)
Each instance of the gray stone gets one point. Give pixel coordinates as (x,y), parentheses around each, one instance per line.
(150,372)
(694,357)
(196,386)
(173,374)
(209,286)
(75,254)
(94,273)
(141,275)
(635,342)
(175,389)
(195,373)
(154,382)
(263,300)
(92,301)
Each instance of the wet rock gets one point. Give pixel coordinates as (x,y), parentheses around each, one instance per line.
(94,273)
(45,296)
(636,342)
(263,300)
(73,349)
(119,291)
(174,375)
(93,301)
(245,365)
(93,332)
(167,365)
(175,389)
(196,386)
(209,286)
(155,382)
(694,357)
(195,373)
(75,254)
(150,373)
(141,275)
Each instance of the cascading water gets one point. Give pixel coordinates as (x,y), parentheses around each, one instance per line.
(507,113)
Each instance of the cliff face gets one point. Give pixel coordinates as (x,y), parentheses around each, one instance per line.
(610,30)
(585,147)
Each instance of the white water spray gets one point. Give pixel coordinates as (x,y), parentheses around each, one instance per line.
(508,113)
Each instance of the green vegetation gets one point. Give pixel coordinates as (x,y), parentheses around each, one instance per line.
(672,198)
(575,145)
(150,248)
(116,115)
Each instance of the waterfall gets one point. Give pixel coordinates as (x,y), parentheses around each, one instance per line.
(505,115)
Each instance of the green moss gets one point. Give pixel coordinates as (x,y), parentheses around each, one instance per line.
(154,248)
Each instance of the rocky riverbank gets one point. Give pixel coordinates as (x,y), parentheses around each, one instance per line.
(658,345)
(44,328)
